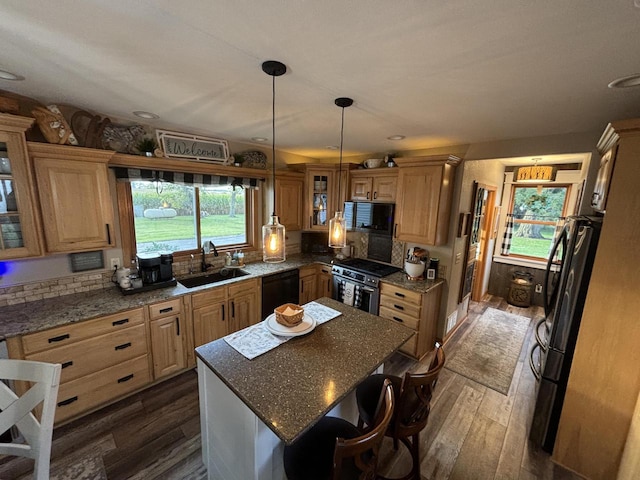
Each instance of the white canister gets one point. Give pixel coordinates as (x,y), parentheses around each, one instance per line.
(125,282)
(122,273)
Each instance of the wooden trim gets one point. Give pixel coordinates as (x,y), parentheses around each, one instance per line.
(185,166)
(428,160)
(127,225)
(66,152)
(15,123)
(374,172)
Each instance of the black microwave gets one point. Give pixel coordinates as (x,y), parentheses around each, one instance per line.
(369,217)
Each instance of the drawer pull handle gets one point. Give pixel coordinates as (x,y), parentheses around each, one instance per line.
(166,310)
(125,379)
(398,319)
(223,313)
(120,322)
(399,307)
(177,326)
(123,346)
(398,294)
(59,338)
(68,401)
(67,364)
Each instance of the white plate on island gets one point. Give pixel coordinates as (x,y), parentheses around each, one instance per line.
(307,324)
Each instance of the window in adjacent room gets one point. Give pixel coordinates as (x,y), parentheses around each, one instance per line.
(536,211)
(180,218)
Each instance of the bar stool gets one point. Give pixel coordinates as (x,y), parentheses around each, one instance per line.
(334,449)
(413,395)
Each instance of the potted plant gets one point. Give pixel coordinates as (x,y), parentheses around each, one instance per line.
(147,146)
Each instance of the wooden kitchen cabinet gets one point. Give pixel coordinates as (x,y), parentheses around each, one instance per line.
(76,205)
(423,207)
(416,310)
(374,186)
(323,196)
(102,359)
(223,310)
(289,200)
(167,338)
(19,222)
(605,171)
(308,284)
(325,281)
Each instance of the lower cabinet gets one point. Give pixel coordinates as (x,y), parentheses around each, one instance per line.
(416,310)
(325,281)
(308,284)
(167,341)
(223,310)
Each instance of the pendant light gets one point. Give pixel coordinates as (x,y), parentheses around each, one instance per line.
(337,226)
(273,233)
(534,173)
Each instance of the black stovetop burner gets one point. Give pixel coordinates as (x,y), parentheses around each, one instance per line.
(369,266)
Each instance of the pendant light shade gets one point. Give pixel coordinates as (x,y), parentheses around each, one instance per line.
(337,226)
(534,173)
(273,233)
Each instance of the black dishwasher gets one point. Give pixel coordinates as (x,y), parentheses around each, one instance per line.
(279,288)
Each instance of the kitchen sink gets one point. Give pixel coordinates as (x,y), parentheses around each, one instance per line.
(201,280)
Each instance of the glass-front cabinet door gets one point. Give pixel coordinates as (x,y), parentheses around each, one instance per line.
(18,221)
(320,206)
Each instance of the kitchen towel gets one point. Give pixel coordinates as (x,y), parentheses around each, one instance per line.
(256,339)
(348,292)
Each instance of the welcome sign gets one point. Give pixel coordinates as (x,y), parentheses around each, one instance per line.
(193,147)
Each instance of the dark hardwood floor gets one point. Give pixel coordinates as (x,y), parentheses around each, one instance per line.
(473,432)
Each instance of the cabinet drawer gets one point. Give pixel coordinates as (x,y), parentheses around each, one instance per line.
(400,293)
(214,295)
(68,334)
(159,310)
(242,287)
(400,306)
(406,320)
(88,356)
(92,390)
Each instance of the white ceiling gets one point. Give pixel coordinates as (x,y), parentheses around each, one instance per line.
(438,72)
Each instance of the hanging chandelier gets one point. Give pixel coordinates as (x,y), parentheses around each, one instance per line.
(534,173)
(273,233)
(337,226)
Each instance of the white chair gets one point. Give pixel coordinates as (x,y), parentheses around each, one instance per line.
(45,378)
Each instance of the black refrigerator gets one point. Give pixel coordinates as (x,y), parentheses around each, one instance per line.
(564,292)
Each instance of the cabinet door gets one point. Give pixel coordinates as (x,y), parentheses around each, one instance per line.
(209,323)
(325,282)
(19,226)
(76,205)
(308,287)
(319,206)
(384,189)
(166,346)
(361,188)
(243,311)
(418,202)
(601,187)
(289,202)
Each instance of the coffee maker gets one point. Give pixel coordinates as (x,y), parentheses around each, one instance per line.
(149,267)
(166,266)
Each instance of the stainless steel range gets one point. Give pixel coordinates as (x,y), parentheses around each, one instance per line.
(355,282)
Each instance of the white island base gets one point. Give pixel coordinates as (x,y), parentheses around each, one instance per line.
(236,444)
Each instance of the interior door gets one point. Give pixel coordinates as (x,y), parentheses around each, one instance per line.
(486,212)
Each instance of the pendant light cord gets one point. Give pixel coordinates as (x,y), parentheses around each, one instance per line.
(273,139)
(340,168)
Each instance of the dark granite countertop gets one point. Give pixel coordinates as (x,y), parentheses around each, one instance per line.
(32,317)
(292,386)
(421,286)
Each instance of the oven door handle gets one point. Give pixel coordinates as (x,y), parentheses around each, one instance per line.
(368,289)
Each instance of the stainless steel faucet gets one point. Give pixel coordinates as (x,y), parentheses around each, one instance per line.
(191,270)
(206,248)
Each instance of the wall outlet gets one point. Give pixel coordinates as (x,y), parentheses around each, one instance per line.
(115,263)
(539,288)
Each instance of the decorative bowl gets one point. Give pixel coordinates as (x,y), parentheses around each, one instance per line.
(373,163)
(289,314)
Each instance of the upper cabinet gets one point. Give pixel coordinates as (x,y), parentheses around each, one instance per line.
(289,200)
(374,185)
(73,186)
(425,187)
(19,222)
(326,189)
(608,148)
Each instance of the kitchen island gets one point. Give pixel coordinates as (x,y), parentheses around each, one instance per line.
(249,409)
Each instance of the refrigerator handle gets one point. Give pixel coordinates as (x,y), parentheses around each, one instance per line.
(541,342)
(532,364)
(548,300)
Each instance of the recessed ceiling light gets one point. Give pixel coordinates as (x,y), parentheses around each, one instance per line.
(259,139)
(396,137)
(630,81)
(332,147)
(10,76)
(147,115)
